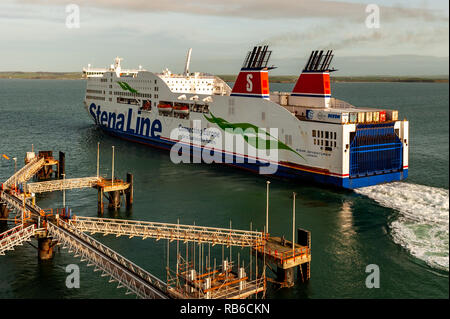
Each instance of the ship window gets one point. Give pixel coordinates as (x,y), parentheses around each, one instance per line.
(321,142)
(321,134)
(334,143)
(326,142)
(326,134)
(314,141)
(334,137)
(314,133)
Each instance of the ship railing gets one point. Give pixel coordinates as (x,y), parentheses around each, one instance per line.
(339,104)
(285,256)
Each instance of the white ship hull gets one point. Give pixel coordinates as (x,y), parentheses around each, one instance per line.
(310,150)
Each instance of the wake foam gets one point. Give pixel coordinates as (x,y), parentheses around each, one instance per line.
(422,227)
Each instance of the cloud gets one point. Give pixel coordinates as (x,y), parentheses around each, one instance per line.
(256,9)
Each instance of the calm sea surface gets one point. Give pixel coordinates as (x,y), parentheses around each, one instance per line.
(401,227)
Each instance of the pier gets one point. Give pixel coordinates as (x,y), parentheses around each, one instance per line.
(194,272)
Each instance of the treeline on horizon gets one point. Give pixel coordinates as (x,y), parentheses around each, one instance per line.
(232,78)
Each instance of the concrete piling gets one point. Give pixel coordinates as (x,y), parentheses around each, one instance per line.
(100,205)
(4,213)
(286,276)
(45,248)
(114,200)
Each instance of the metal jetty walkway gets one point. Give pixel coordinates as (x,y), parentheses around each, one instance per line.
(15,203)
(188,280)
(62,184)
(184,233)
(130,276)
(135,279)
(26,172)
(15,237)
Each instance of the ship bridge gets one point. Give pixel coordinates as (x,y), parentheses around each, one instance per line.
(90,72)
(194,83)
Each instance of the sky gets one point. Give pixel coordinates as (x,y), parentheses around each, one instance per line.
(411,38)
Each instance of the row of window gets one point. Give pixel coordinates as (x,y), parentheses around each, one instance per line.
(184,90)
(92,97)
(186,81)
(148,95)
(140,81)
(324,134)
(324,143)
(95,91)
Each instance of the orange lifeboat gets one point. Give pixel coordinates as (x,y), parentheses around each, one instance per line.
(147,106)
(165,107)
(181,109)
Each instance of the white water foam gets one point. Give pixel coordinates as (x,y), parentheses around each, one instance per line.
(423,224)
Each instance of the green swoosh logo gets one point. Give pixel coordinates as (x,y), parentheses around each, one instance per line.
(126,87)
(256,141)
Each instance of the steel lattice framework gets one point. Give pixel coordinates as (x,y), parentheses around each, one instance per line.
(15,203)
(26,172)
(130,276)
(15,237)
(61,184)
(185,233)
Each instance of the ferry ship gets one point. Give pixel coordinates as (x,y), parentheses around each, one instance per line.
(320,139)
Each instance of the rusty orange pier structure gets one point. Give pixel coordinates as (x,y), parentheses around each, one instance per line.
(41,166)
(112,190)
(280,253)
(197,270)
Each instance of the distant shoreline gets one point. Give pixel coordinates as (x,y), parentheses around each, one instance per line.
(232,78)
(337,79)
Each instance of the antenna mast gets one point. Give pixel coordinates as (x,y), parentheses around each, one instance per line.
(188,60)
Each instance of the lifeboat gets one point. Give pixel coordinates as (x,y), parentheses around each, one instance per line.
(147,106)
(164,107)
(181,109)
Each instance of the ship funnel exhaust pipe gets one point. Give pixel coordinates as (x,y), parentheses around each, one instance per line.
(253,80)
(188,61)
(313,85)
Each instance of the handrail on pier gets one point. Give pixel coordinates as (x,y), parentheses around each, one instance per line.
(185,233)
(15,237)
(26,172)
(130,276)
